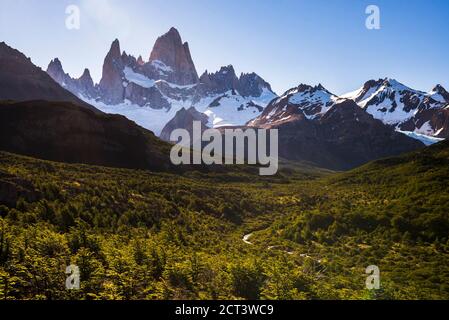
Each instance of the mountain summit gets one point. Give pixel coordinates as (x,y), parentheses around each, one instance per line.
(404,108)
(151,92)
(174,54)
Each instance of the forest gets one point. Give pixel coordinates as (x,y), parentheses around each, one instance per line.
(310,233)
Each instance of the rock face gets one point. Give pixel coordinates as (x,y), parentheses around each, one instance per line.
(64,132)
(402,107)
(83,86)
(21,80)
(221,81)
(252,85)
(344,137)
(174,54)
(56,71)
(429,122)
(440,94)
(184,119)
(111,83)
(247,85)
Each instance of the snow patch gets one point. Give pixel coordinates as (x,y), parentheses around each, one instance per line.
(427,140)
(138,78)
(162,67)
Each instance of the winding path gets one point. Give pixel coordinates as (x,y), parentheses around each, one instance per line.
(246,238)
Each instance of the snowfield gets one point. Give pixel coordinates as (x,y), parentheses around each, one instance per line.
(229,112)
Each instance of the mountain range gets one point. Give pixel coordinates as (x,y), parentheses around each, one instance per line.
(163,93)
(152,92)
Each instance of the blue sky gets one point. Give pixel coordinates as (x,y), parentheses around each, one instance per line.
(287,42)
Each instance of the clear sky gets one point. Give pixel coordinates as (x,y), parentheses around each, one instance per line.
(287,42)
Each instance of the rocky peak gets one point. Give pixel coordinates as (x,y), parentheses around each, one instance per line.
(86,78)
(346,110)
(111,81)
(439,88)
(220,81)
(55,64)
(440,94)
(140,61)
(56,71)
(304,88)
(114,51)
(170,50)
(371,84)
(252,85)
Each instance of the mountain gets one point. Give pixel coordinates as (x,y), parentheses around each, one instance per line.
(304,100)
(63,131)
(184,119)
(404,108)
(83,84)
(171,54)
(440,94)
(21,80)
(152,92)
(316,126)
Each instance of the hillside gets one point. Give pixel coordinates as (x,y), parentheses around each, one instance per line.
(21,80)
(62,131)
(140,234)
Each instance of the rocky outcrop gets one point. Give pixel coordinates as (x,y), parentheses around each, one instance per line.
(140,61)
(82,87)
(86,84)
(149,97)
(111,83)
(432,122)
(56,71)
(220,81)
(439,93)
(247,85)
(174,54)
(184,120)
(252,85)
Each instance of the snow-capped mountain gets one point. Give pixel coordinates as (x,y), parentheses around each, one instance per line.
(404,108)
(304,100)
(317,126)
(152,92)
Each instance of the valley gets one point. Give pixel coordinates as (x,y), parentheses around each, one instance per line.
(145,235)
